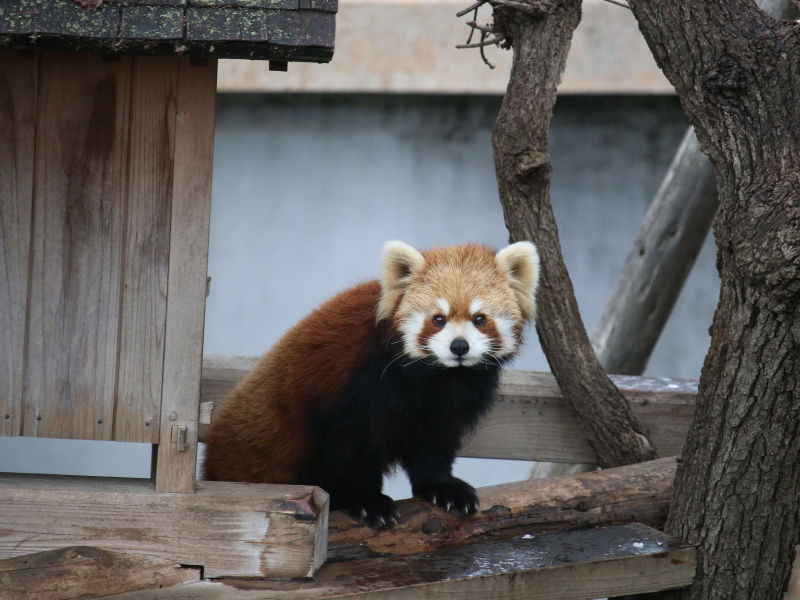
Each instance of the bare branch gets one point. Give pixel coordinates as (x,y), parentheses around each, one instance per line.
(485,28)
(475,6)
(489,42)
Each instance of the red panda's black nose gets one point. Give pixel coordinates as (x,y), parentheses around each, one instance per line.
(459,347)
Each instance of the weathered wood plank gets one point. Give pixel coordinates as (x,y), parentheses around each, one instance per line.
(18,79)
(146,264)
(231,529)
(188,262)
(81,157)
(573,565)
(530,420)
(82,572)
(634,493)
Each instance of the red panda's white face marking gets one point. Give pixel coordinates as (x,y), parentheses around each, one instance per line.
(459,306)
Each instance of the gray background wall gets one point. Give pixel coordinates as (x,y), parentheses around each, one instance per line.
(308,187)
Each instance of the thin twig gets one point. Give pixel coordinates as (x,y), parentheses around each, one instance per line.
(486,60)
(486,28)
(622,4)
(796,3)
(472,31)
(475,6)
(481,44)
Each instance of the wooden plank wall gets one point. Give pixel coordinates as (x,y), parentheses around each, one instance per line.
(18,80)
(105,167)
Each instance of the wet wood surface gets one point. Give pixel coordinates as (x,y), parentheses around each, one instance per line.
(530,420)
(634,493)
(233,529)
(83,572)
(574,565)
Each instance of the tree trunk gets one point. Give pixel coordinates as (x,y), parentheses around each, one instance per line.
(541,38)
(738,488)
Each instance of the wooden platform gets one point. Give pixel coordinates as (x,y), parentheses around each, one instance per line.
(233,529)
(575,565)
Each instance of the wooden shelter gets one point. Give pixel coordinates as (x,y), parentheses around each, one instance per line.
(106,146)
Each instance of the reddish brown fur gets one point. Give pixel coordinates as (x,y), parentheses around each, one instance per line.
(260,434)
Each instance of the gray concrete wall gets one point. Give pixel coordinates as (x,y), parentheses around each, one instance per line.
(307,189)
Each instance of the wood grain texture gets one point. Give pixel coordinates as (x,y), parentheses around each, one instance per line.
(18,97)
(154,85)
(231,529)
(530,420)
(562,566)
(81,156)
(634,493)
(188,261)
(82,572)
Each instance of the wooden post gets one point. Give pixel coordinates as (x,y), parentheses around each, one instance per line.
(186,299)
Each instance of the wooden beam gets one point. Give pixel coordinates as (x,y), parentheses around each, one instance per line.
(530,420)
(672,233)
(634,493)
(575,565)
(188,264)
(231,529)
(81,572)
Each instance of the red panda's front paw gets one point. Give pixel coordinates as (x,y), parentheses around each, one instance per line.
(378,512)
(453,495)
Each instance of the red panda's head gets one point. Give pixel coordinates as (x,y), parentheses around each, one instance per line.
(460,305)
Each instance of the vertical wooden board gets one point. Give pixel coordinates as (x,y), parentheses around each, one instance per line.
(144,292)
(188,264)
(18,74)
(81,146)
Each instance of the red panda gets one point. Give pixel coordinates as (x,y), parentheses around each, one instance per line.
(389,372)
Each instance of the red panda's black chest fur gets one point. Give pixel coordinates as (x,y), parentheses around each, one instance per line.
(395,410)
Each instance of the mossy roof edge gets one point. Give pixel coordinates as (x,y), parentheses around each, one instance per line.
(294,30)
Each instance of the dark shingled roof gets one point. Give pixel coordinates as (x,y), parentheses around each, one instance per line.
(294,30)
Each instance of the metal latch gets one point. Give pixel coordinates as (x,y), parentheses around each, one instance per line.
(179,437)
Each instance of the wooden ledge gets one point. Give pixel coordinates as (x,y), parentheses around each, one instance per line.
(231,529)
(529,421)
(574,565)
(639,493)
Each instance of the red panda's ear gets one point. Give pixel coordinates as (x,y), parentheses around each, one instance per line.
(520,263)
(399,262)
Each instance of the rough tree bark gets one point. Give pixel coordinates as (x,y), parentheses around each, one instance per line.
(540,36)
(737,491)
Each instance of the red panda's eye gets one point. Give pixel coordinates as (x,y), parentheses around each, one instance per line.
(439,321)
(479,320)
